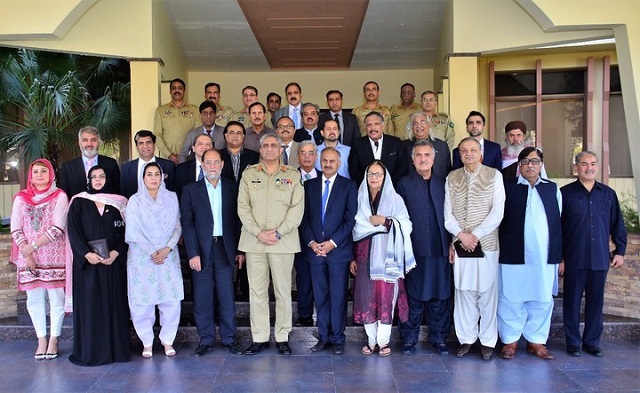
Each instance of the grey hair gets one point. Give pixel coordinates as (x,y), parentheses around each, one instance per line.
(470,138)
(89,130)
(265,136)
(308,142)
(584,153)
(423,142)
(306,104)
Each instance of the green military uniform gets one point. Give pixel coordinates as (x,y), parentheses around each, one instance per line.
(171,125)
(400,118)
(361,111)
(442,128)
(243,117)
(268,202)
(223,115)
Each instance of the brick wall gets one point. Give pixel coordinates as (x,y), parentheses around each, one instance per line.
(622,293)
(8,291)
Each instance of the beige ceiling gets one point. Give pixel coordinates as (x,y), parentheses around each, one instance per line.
(258,35)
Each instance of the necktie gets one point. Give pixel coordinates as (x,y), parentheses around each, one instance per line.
(89,166)
(209,132)
(296,118)
(307,176)
(376,144)
(336,117)
(201,174)
(325,196)
(285,156)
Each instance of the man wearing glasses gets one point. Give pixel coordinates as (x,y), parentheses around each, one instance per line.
(208,112)
(528,275)
(441,124)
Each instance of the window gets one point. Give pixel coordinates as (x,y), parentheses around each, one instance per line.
(619,154)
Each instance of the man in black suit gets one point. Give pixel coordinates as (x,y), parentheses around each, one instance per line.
(375,146)
(421,131)
(235,156)
(310,129)
(491,151)
(211,229)
(132,171)
(329,217)
(73,174)
(192,170)
(348,122)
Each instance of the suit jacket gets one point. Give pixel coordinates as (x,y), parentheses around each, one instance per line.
(302,135)
(492,156)
(293,155)
(248,157)
(284,111)
(351,131)
(218,141)
(73,179)
(442,162)
(197,220)
(361,156)
(129,178)
(339,218)
(185,174)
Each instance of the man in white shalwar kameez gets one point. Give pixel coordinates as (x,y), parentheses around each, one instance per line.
(530,251)
(473,209)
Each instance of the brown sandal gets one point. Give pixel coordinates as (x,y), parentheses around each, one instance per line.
(368,349)
(384,350)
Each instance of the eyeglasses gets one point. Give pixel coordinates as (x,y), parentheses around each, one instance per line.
(428,100)
(285,127)
(532,161)
(377,175)
(419,123)
(307,153)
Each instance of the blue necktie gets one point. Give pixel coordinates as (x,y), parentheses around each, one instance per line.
(325,196)
(201,174)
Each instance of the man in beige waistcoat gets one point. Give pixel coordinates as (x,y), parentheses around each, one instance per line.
(270,206)
(473,210)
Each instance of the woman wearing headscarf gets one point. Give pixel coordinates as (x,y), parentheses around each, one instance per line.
(38,221)
(383,256)
(153,264)
(99,274)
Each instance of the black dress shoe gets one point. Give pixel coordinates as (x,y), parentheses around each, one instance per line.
(320,346)
(593,350)
(573,350)
(441,348)
(284,348)
(304,322)
(234,347)
(486,352)
(408,348)
(337,349)
(255,348)
(463,350)
(202,349)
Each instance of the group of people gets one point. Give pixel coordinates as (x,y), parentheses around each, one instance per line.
(423,231)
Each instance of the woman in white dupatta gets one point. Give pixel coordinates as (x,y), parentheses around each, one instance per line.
(383,256)
(153,265)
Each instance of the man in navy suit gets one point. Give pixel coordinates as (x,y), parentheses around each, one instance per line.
(491,151)
(376,146)
(211,229)
(310,129)
(192,170)
(329,217)
(132,170)
(73,174)
(348,122)
(429,284)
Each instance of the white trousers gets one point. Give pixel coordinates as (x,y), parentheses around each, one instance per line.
(529,319)
(469,306)
(378,333)
(144,317)
(37,308)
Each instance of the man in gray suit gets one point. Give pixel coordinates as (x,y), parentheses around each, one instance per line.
(293,91)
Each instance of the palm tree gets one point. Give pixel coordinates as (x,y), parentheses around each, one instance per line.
(46,97)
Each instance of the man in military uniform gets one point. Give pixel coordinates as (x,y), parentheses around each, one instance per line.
(441,124)
(249,96)
(223,112)
(173,120)
(400,113)
(371,94)
(270,206)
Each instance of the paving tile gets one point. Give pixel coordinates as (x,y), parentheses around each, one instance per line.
(605,380)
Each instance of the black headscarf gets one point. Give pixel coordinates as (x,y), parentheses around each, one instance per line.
(108,188)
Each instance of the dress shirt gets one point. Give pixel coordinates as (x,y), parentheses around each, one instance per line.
(312,175)
(588,220)
(295,113)
(85,161)
(198,165)
(215,199)
(340,122)
(235,163)
(377,151)
(332,180)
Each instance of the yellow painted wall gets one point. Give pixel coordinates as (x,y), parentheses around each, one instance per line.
(126,23)
(165,45)
(315,85)
(47,19)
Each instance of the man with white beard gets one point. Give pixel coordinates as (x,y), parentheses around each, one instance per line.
(515,139)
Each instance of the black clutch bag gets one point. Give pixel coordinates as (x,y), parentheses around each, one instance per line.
(99,247)
(462,253)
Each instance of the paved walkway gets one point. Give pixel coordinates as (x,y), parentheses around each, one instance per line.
(219,371)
